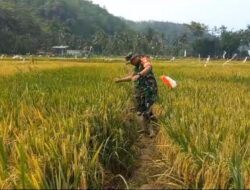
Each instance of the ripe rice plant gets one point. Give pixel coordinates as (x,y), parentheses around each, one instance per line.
(64,128)
(205,125)
(66,124)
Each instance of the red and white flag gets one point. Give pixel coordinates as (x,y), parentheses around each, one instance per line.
(169,81)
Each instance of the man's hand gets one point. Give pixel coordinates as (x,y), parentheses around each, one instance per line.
(135,77)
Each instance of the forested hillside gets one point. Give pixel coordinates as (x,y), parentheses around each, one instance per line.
(29,26)
(33,24)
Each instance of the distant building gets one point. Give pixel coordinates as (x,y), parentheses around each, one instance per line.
(60,50)
(74,52)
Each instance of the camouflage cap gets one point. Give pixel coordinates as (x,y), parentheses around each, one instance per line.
(130,56)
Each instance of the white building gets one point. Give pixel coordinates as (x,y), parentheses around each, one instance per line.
(74,52)
(60,49)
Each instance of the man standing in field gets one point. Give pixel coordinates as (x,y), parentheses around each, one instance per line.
(145,88)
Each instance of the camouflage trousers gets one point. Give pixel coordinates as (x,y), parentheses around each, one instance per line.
(144,99)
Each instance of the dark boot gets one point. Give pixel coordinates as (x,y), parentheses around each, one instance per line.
(152,116)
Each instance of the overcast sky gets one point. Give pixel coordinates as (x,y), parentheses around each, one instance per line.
(234,14)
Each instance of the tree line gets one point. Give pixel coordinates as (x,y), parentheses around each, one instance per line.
(29,26)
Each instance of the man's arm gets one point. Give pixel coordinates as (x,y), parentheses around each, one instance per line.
(124,79)
(142,73)
(146,70)
(135,77)
(147,66)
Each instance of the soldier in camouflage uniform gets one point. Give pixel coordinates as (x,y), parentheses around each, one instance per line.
(145,88)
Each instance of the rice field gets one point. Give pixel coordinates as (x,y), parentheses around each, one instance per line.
(66,124)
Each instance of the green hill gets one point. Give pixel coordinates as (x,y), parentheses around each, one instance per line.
(44,23)
(29,25)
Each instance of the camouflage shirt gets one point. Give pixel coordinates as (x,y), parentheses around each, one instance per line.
(146,86)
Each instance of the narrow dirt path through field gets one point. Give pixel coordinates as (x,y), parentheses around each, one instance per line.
(149,167)
(152,172)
